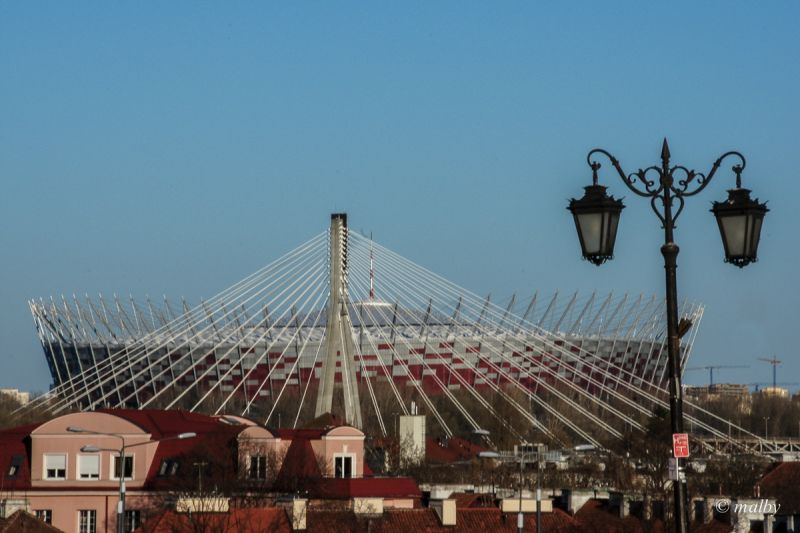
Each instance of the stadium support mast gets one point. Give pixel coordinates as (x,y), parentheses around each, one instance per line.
(338,332)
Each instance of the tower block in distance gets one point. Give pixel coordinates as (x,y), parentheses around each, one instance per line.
(339,345)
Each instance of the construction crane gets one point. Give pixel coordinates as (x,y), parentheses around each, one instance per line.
(711,369)
(774,362)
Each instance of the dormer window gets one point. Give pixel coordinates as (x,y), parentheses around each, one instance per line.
(16,465)
(258,467)
(169,467)
(343,465)
(55,467)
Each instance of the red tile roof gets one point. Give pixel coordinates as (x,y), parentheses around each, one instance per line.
(214,438)
(425,520)
(238,520)
(452,450)
(783,484)
(164,423)
(217,449)
(15,443)
(376,487)
(715,526)
(22,522)
(595,515)
(464,501)
(477,520)
(276,519)
(290,434)
(300,468)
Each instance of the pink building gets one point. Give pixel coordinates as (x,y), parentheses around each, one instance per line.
(67,474)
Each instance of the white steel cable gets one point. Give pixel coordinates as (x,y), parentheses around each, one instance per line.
(319,290)
(561,362)
(540,402)
(295,286)
(385,317)
(310,376)
(110,362)
(145,355)
(660,401)
(254,301)
(438,381)
(472,390)
(316,274)
(297,363)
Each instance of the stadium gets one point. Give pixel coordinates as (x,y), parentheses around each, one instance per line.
(343,325)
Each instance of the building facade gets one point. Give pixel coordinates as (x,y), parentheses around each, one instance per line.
(66,471)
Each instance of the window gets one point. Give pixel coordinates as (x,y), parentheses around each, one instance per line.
(45,515)
(128,466)
(169,467)
(258,467)
(55,467)
(16,464)
(88,467)
(133,519)
(87,521)
(343,466)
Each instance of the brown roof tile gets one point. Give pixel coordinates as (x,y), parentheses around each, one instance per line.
(238,520)
(783,484)
(22,522)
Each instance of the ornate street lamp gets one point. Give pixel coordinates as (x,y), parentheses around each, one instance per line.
(596,219)
(739,218)
(597,214)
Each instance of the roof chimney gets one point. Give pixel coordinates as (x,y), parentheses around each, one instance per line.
(368,506)
(446,511)
(299,510)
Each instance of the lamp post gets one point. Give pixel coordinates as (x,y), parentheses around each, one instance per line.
(520,516)
(121,451)
(539,487)
(739,219)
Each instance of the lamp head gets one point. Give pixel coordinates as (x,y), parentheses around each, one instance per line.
(596,219)
(739,219)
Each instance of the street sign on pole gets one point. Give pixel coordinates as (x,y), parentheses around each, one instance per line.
(675,472)
(680,444)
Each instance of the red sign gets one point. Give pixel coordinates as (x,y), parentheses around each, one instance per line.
(680,444)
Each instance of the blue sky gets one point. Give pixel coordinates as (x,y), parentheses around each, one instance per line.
(176,147)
